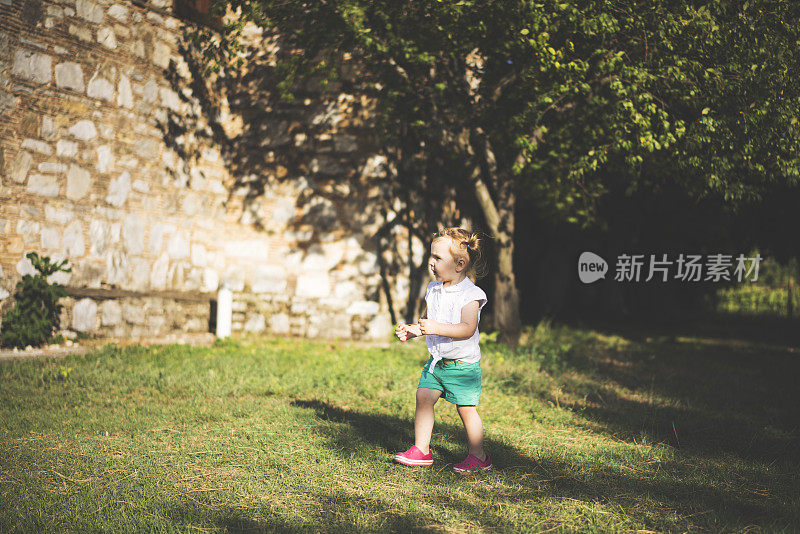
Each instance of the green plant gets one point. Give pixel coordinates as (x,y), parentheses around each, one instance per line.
(35,316)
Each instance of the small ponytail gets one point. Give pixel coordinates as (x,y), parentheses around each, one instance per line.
(466,245)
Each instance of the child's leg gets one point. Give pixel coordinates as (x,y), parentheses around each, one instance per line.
(423,417)
(474,427)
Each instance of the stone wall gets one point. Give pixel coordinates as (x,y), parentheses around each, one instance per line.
(117,156)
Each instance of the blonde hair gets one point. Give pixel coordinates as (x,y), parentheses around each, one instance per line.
(465,245)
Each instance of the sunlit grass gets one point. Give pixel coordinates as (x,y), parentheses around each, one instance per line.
(589,431)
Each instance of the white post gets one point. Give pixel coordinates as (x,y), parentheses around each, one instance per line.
(224,311)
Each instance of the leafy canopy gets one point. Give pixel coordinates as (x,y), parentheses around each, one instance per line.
(701,93)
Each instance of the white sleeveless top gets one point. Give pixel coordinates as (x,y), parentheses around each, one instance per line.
(444,306)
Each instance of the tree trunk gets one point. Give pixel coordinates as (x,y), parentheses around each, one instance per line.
(500,218)
(506,296)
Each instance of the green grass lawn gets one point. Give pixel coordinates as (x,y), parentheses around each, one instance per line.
(588,432)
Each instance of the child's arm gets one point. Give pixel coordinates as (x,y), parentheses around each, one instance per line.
(462,330)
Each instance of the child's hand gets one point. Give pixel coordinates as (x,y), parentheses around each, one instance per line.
(427,326)
(407,331)
(413,330)
(401,331)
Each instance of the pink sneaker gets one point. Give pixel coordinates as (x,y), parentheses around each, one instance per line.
(472,464)
(414,456)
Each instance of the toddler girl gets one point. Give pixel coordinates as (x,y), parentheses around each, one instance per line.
(450,324)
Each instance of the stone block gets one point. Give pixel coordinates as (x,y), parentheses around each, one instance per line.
(156,323)
(157,232)
(133,229)
(141,186)
(101,88)
(49,129)
(104,158)
(198,255)
(178,246)
(24,266)
(380,327)
(119,12)
(51,240)
(158,272)
(210,281)
(191,203)
(33,211)
(147,149)
(32,66)
(118,267)
(8,102)
(98,237)
(110,313)
(28,229)
(73,244)
(252,249)
(57,215)
(107,38)
(234,278)
(81,32)
(90,11)
(59,277)
(279,323)
(140,274)
(363,307)
(43,184)
(323,257)
(137,48)
(269,280)
(170,99)
(346,289)
(52,167)
(69,75)
(20,167)
(84,315)
(118,189)
(66,149)
(255,323)
(195,325)
(161,54)
(124,92)
(150,92)
(314,285)
(84,130)
(133,313)
(37,146)
(78,182)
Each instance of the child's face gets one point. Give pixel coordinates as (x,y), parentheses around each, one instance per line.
(441,263)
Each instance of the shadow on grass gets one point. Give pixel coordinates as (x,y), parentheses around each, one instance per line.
(703,396)
(672,488)
(776,330)
(333,512)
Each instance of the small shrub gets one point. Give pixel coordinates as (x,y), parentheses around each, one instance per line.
(35,316)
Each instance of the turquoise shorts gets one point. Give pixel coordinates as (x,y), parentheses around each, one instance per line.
(459,382)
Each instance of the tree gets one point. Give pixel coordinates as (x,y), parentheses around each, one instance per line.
(534,98)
